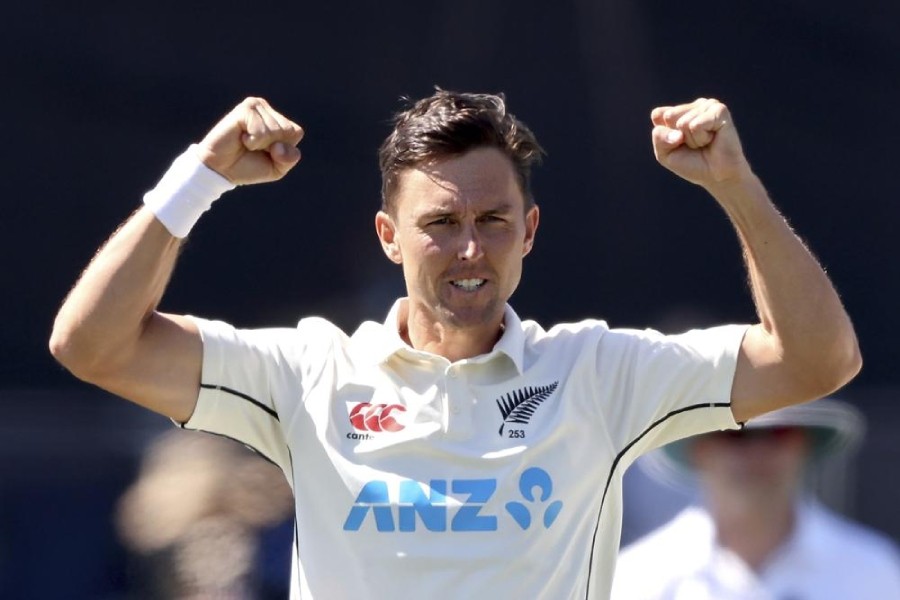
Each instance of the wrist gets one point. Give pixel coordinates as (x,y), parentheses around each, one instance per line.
(185,192)
(746,202)
(740,185)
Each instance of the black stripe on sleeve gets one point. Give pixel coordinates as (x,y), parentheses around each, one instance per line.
(222,388)
(615,464)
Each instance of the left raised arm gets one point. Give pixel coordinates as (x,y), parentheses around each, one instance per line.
(804,346)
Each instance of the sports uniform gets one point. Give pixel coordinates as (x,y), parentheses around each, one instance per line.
(491,477)
(494,476)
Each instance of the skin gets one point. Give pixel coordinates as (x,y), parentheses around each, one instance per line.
(110,333)
(461,219)
(804,346)
(751,487)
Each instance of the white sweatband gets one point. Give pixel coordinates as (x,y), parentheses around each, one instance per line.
(185,192)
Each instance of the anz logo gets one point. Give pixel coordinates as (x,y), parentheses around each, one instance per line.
(416,508)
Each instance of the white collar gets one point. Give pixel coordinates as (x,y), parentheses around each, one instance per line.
(375,343)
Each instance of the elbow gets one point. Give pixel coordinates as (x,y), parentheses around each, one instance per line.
(850,362)
(60,344)
(837,368)
(64,349)
(73,352)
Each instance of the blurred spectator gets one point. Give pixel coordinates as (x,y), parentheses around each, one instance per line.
(195,517)
(760,535)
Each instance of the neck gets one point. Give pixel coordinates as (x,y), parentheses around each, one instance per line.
(424,332)
(753,529)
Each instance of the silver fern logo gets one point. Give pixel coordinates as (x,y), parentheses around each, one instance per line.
(518,407)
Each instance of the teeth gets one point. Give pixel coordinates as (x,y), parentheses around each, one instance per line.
(469,284)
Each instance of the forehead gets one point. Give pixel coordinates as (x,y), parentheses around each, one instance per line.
(479,178)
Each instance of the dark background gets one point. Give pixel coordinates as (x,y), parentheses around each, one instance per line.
(99,97)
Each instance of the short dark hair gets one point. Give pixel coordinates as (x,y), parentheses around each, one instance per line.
(448,124)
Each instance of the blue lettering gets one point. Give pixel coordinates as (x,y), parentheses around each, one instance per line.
(467,518)
(431,509)
(416,501)
(373,495)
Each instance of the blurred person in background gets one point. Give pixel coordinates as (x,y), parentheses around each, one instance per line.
(442,452)
(759,533)
(195,519)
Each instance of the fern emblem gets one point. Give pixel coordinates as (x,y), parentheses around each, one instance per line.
(519,406)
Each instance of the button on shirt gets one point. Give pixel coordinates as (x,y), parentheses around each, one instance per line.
(826,558)
(494,476)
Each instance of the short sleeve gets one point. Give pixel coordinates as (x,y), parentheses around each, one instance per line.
(236,398)
(668,387)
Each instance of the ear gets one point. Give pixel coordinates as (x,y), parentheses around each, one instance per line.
(532,218)
(387,234)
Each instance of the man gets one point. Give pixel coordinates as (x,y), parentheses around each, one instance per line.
(758,535)
(453,451)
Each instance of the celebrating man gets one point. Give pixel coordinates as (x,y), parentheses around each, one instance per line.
(453,451)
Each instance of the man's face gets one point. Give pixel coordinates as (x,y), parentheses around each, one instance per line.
(460,231)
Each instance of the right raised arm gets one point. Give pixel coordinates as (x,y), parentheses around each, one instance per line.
(108,331)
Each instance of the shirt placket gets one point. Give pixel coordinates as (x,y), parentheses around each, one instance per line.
(457,401)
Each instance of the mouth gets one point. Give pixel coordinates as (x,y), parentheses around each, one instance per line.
(468,285)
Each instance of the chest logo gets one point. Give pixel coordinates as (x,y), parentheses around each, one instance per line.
(376,417)
(518,407)
(409,504)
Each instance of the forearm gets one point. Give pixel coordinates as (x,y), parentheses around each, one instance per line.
(804,346)
(108,331)
(801,316)
(106,312)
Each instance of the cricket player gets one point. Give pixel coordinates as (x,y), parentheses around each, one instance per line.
(453,450)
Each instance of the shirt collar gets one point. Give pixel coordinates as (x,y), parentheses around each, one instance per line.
(512,342)
(375,343)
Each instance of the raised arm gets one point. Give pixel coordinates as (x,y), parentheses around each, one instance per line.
(804,346)
(108,331)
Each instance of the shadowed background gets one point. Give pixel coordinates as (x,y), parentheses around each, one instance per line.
(101,96)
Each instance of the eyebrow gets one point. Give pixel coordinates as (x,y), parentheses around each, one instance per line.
(501,208)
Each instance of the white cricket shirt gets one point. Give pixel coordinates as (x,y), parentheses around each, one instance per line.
(497,476)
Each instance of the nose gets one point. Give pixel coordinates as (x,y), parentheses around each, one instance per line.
(470,244)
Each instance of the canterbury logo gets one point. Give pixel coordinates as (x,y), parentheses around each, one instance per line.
(519,406)
(376,417)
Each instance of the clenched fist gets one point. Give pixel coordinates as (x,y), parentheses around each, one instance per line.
(698,142)
(253,143)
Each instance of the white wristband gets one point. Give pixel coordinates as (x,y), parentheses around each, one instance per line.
(185,192)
